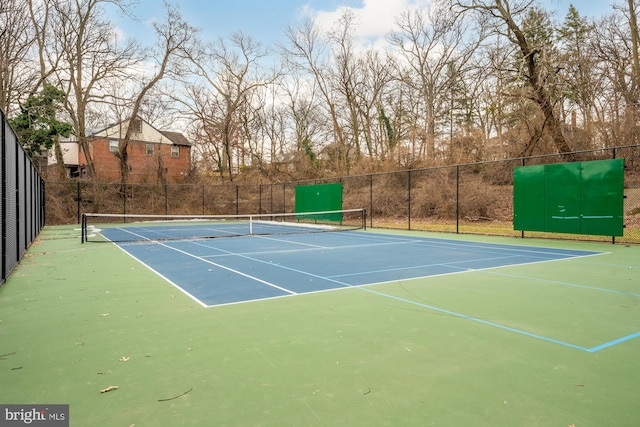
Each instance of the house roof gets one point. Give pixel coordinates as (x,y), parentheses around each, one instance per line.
(176,137)
(148,134)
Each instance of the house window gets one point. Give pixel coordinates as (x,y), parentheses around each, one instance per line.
(149,149)
(175,151)
(113,146)
(137,126)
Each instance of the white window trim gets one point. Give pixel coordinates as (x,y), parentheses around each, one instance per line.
(114,146)
(137,125)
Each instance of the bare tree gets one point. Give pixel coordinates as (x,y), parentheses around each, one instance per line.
(581,84)
(251,151)
(632,94)
(227,75)
(348,83)
(174,45)
(345,76)
(275,129)
(429,44)
(17,77)
(372,87)
(495,100)
(40,16)
(618,104)
(304,118)
(635,46)
(83,56)
(308,51)
(534,70)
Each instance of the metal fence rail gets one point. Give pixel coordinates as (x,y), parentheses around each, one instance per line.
(21,201)
(468,198)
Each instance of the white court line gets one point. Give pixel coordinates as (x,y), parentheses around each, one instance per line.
(342,285)
(215,264)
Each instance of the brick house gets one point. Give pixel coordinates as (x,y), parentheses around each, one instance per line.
(153,155)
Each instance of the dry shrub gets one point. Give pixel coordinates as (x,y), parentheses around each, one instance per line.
(356,192)
(390,195)
(477,200)
(61,203)
(102,198)
(498,173)
(434,195)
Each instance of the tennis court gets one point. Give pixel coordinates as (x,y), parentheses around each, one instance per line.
(350,328)
(269,265)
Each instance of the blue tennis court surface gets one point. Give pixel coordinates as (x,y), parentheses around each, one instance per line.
(233,270)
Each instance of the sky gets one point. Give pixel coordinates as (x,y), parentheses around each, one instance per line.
(265,20)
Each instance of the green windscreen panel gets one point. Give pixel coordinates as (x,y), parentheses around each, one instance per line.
(528,198)
(320,198)
(576,198)
(562,197)
(603,197)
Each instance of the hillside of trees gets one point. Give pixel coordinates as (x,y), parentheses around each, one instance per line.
(459,82)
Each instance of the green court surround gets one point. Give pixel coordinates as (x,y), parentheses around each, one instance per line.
(75,319)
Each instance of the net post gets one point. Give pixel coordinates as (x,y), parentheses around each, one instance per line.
(251,225)
(364,218)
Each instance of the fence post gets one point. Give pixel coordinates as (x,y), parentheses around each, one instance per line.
(371,200)
(79,195)
(613,238)
(42,204)
(409,200)
(458,199)
(18,197)
(522,231)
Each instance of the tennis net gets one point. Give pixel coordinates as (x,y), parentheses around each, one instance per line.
(140,227)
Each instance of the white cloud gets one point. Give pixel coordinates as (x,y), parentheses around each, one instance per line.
(374,18)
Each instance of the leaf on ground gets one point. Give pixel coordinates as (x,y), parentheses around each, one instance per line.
(175,397)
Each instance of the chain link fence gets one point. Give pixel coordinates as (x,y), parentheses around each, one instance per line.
(472,198)
(21,201)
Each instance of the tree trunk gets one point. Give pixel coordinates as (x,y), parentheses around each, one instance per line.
(61,169)
(541,94)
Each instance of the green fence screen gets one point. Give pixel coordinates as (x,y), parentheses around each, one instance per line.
(575,198)
(320,198)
